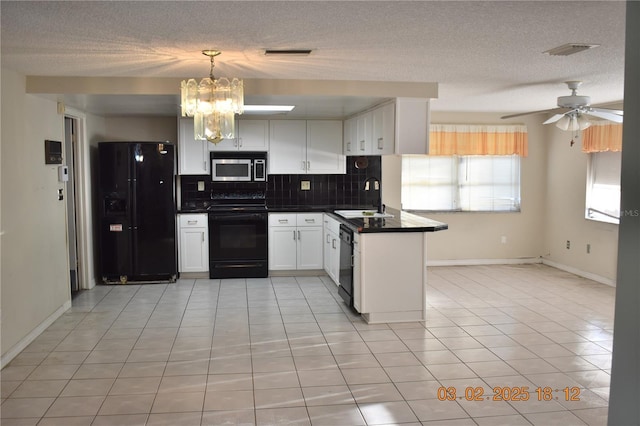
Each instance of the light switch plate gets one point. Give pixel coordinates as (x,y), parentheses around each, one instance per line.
(305,185)
(200,185)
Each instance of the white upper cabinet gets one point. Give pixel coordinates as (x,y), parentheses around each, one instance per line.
(287,147)
(364,134)
(251,135)
(301,147)
(193,155)
(383,123)
(350,137)
(324,147)
(400,127)
(412,126)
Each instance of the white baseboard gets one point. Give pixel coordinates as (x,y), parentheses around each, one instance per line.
(24,342)
(580,273)
(475,262)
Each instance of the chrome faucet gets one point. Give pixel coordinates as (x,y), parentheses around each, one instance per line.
(377,187)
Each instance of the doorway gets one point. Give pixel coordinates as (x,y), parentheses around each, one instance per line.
(70,141)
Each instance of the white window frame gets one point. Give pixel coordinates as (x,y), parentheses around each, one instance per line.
(446,183)
(603,187)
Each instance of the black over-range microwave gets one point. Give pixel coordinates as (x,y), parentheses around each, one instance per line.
(236,166)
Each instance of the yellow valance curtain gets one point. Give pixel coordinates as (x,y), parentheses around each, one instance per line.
(472,139)
(604,136)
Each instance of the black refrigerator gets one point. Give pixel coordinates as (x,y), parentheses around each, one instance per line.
(137,216)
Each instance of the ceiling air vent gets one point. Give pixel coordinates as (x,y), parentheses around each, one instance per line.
(287,52)
(570,49)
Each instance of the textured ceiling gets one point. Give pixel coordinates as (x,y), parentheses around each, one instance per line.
(485,56)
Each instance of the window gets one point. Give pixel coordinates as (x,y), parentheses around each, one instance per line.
(603,186)
(461,183)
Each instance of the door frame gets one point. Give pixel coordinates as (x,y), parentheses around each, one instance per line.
(83,204)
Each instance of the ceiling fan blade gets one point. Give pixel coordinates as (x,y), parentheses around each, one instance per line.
(535,112)
(553,119)
(606,115)
(613,111)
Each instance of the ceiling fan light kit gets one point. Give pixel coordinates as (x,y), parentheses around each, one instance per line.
(212,103)
(573,122)
(573,111)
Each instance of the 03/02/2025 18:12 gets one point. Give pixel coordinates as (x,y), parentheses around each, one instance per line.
(509,393)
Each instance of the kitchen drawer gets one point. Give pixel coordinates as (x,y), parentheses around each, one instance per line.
(282,219)
(309,219)
(331,224)
(193,220)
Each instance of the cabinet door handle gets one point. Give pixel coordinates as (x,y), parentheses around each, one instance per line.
(240,142)
(310,220)
(283,220)
(304,164)
(352,261)
(308,165)
(299,235)
(192,222)
(348,146)
(380,143)
(202,237)
(328,238)
(333,243)
(294,235)
(362,145)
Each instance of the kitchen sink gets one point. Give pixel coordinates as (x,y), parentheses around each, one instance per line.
(354,214)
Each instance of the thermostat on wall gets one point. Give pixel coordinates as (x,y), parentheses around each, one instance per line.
(52,152)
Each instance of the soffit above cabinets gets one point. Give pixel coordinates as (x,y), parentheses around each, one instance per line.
(158,96)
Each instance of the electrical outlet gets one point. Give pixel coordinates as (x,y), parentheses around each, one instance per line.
(305,185)
(568,244)
(588,248)
(200,185)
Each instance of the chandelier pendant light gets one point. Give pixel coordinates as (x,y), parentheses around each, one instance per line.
(212,103)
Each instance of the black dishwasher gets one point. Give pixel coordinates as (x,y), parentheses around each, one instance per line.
(346,265)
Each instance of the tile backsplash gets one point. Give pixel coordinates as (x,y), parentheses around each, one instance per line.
(347,189)
(285,190)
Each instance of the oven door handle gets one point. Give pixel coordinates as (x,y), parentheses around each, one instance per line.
(236,216)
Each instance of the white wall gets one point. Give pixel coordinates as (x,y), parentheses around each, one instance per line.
(141,128)
(553,190)
(564,215)
(35,275)
(477,237)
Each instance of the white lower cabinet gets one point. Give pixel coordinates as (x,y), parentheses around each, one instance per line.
(332,248)
(295,241)
(193,242)
(389,282)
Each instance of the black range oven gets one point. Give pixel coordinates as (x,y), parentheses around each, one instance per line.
(238,246)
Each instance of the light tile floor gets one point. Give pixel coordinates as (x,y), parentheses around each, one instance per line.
(284,350)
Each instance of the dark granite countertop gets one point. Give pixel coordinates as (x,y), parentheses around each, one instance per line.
(400,222)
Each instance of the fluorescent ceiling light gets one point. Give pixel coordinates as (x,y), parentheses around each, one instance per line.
(287,52)
(268,108)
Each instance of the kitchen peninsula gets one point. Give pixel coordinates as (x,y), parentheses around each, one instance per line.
(390,265)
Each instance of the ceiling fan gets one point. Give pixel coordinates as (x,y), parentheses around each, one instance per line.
(573,110)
